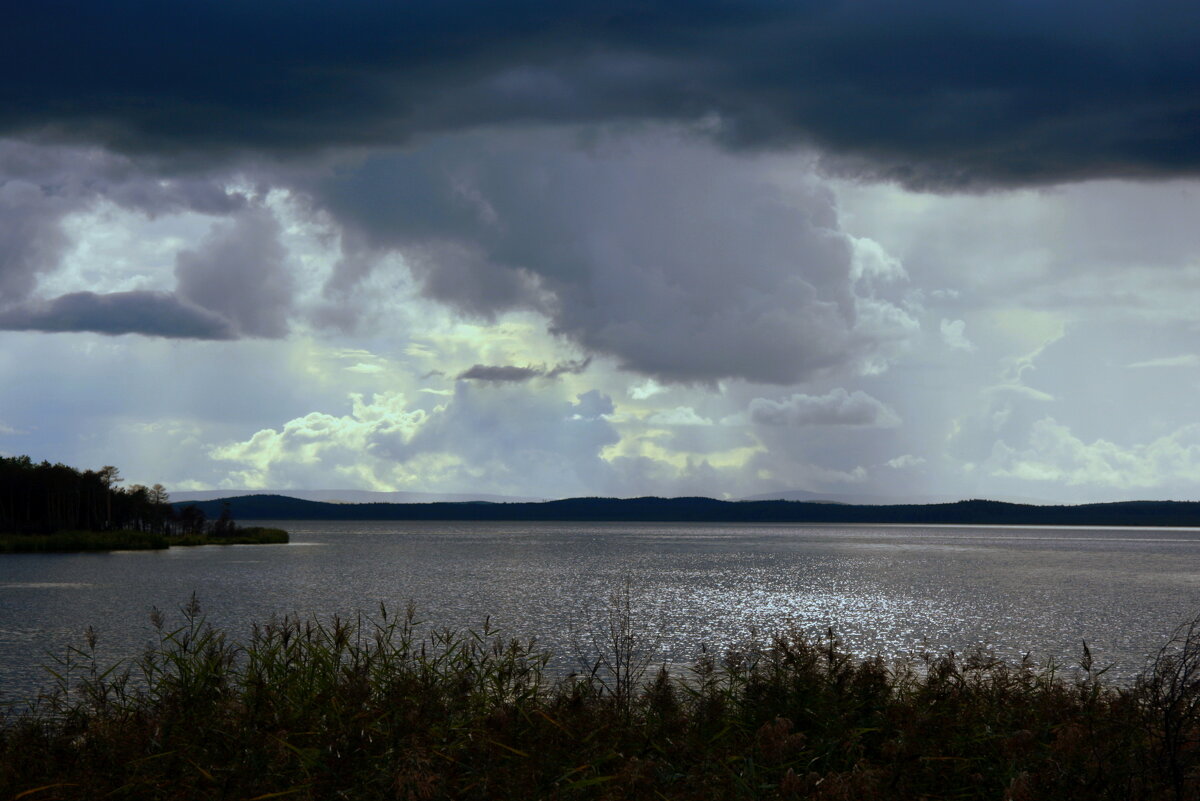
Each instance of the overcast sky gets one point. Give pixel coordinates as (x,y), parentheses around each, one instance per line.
(865,248)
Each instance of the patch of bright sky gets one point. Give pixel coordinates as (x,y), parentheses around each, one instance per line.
(118,250)
(650,445)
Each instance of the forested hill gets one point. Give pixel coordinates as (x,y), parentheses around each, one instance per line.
(696,510)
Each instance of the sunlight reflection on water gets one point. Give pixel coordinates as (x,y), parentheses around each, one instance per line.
(885,589)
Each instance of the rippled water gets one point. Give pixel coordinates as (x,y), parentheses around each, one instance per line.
(886,589)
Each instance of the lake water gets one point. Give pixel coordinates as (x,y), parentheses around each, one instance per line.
(892,590)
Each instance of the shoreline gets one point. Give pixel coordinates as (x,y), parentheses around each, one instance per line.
(128,540)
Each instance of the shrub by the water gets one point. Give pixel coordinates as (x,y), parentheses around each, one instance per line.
(125,540)
(250,535)
(382,709)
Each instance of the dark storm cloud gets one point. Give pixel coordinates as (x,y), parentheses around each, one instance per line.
(672,257)
(512,373)
(505,373)
(31,238)
(159,314)
(939,93)
(240,273)
(572,367)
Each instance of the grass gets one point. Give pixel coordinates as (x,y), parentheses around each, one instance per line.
(383,708)
(126,540)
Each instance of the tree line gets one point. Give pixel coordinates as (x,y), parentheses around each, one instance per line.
(42,498)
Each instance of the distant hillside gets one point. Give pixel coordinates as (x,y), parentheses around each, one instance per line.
(865,499)
(352,496)
(696,510)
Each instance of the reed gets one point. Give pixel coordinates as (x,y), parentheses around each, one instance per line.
(127,540)
(375,707)
(68,541)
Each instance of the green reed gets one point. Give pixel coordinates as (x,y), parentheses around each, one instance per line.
(70,541)
(381,706)
(128,540)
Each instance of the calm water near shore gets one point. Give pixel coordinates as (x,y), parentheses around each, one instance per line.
(893,590)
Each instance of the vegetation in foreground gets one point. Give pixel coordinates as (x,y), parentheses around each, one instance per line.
(376,709)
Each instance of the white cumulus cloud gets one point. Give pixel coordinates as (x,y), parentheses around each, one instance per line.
(1054,454)
(953,335)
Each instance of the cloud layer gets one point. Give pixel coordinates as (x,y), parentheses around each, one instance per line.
(512,373)
(671,257)
(837,408)
(505,439)
(941,94)
(151,313)
(606,248)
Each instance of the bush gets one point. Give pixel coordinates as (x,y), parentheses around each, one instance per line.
(253,535)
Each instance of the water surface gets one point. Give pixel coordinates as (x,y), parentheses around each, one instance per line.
(893,590)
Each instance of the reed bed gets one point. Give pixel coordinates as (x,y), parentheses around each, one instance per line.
(129,540)
(382,707)
(72,541)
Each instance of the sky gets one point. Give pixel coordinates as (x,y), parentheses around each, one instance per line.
(863,249)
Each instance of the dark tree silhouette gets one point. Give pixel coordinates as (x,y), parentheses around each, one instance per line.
(44,498)
(192,519)
(224,526)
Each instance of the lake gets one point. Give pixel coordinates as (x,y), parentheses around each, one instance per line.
(894,590)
